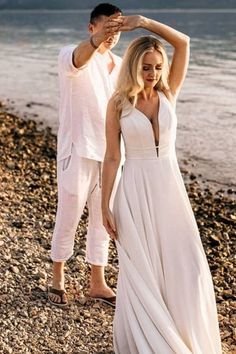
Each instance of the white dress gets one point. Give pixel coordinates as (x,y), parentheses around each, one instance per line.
(165,296)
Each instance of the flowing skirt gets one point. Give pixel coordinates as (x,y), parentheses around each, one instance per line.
(165,296)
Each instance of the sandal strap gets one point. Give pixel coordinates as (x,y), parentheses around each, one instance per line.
(57,291)
(112,298)
(108,300)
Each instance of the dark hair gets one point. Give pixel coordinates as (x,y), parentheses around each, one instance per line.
(103,9)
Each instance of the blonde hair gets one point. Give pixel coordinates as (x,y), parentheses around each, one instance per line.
(130,82)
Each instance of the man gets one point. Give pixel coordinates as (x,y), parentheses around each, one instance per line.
(87,75)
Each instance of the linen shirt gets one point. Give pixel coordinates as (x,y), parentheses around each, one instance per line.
(84,94)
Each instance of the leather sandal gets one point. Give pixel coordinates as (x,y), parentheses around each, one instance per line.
(60,293)
(111,301)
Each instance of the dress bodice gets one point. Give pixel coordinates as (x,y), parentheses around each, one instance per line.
(137,131)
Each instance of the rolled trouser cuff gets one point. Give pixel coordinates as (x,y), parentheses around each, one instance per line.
(97,246)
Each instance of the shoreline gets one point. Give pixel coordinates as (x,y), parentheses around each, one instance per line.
(126,10)
(28,207)
(189,165)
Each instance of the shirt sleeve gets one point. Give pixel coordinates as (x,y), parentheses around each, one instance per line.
(65,62)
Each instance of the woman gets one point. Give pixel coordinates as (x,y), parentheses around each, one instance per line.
(165,296)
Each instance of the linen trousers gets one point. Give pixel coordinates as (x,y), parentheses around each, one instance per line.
(79,181)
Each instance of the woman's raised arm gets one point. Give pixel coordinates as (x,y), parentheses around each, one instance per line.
(178,40)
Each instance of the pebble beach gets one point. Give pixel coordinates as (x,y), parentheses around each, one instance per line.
(28,193)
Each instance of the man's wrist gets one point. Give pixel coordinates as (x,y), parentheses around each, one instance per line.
(95,41)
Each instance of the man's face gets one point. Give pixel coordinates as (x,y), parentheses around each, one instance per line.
(111,41)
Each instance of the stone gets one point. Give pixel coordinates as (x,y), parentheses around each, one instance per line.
(15,269)
(29,196)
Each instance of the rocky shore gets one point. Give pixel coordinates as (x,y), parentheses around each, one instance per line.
(28,194)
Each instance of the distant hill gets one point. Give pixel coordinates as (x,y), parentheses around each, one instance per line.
(125,4)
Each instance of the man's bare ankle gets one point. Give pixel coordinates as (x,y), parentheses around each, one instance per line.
(59,285)
(58,280)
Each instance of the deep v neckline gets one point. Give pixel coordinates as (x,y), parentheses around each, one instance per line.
(158,120)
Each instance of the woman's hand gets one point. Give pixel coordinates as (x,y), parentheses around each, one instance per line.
(131,22)
(110,28)
(109,223)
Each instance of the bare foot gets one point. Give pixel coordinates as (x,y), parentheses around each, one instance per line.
(103,291)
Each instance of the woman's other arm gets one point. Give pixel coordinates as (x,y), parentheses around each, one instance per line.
(110,165)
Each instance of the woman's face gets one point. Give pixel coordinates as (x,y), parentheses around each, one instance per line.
(152,68)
